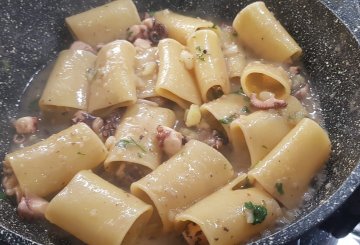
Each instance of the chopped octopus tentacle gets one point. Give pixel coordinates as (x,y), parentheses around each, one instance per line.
(25,125)
(271,103)
(169,140)
(32,207)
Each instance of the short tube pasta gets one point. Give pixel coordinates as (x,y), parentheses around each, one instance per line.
(180,27)
(209,64)
(257,134)
(46,167)
(175,82)
(114,84)
(287,170)
(139,127)
(258,29)
(98,212)
(67,85)
(105,23)
(258,77)
(219,118)
(194,172)
(222,216)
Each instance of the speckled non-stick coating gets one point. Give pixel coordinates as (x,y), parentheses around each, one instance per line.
(33,32)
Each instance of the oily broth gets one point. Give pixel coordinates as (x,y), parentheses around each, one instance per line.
(55,122)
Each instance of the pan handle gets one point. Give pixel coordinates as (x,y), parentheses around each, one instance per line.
(344,220)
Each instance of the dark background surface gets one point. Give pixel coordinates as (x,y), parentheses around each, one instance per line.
(33,33)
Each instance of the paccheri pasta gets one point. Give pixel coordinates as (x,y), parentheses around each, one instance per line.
(180,126)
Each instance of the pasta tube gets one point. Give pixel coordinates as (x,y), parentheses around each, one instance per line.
(258,29)
(257,134)
(136,136)
(180,27)
(98,212)
(175,82)
(194,172)
(258,77)
(105,23)
(209,64)
(114,84)
(46,167)
(67,86)
(220,118)
(287,170)
(225,217)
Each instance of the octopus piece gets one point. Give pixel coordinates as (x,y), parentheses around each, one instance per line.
(19,139)
(32,207)
(142,43)
(294,70)
(79,45)
(95,123)
(148,30)
(193,235)
(169,140)
(111,123)
(271,103)
(302,92)
(26,125)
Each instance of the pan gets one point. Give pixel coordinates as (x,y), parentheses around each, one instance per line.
(34,32)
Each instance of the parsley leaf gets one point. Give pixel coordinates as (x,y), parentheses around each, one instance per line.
(123,143)
(259,212)
(200,53)
(279,188)
(228,119)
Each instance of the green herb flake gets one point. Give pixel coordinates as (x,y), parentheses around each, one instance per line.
(80,153)
(201,53)
(140,155)
(259,212)
(123,143)
(279,188)
(245,109)
(2,195)
(228,119)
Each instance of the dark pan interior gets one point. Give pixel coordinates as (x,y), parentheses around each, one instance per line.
(33,32)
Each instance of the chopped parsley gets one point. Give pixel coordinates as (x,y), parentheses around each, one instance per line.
(259,212)
(123,143)
(201,53)
(245,109)
(228,119)
(279,188)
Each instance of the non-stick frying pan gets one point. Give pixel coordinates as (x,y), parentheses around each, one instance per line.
(33,32)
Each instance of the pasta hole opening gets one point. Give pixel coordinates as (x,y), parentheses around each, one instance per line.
(212,121)
(194,235)
(214,92)
(155,219)
(136,228)
(258,82)
(240,146)
(127,172)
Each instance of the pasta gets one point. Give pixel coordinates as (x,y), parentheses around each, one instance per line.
(257,77)
(98,212)
(175,81)
(223,217)
(255,135)
(260,31)
(105,23)
(173,125)
(114,84)
(67,86)
(194,172)
(139,126)
(219,118)
(180,27)
(48,166)
(209,64)
(288,169)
